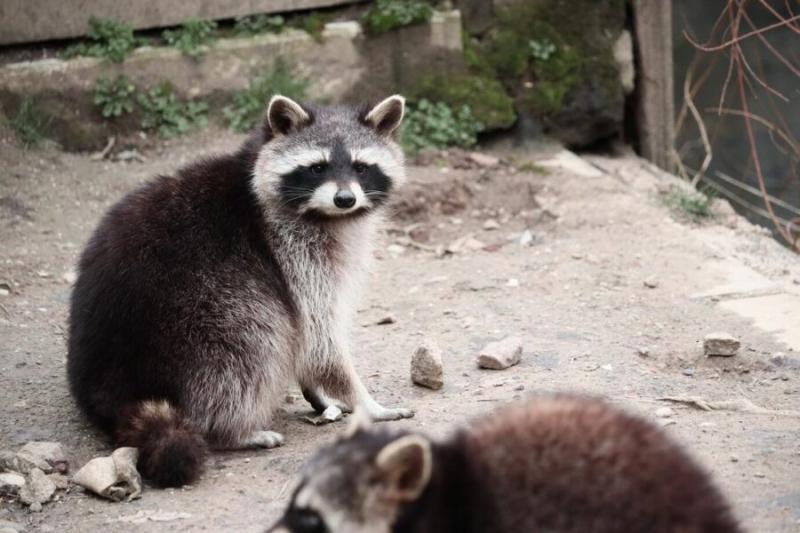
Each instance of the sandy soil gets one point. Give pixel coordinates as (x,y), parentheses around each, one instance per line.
(576,296)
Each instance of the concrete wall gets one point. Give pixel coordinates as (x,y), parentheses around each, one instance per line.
(343,65)
(41,20)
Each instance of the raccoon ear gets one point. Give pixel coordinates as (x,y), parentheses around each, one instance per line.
(387,115)
(285,116)
(405,465)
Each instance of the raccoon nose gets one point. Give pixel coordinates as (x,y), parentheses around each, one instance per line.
(344,199)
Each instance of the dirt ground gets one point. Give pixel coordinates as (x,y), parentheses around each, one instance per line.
(576,295)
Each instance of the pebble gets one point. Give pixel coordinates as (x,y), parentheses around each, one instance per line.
(11,483)
(688,372)
(483,160)
(644,352)
(38,489)
(651,283)
(501,354)
(70,277)
(427,369)
(734,458)
(720,344)
(388,319)
(46,456)
(491,225)
(664,412)
(778,359)
(526,239)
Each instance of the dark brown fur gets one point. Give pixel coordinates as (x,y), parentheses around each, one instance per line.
(561,463)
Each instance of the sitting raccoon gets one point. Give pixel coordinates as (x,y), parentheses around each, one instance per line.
(556,464)
(203,295)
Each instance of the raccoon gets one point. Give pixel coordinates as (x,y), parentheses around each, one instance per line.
(202,295)
(556,463)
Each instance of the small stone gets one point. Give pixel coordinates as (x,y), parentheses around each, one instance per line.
(734,458)
(526,239)
(385,320)
(664,412)
(35,507)
(427,369)
(512,282)
(651,283)
(114,477)
(721,344)
(46,456)
(501,354)
(778,359)
(38,488)
(688,372)
(70,277)
(60,480)
(11,483)
(644,352)
(332,413)
(491,225)
(483,160)
(7,460)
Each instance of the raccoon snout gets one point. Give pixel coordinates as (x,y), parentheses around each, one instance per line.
(344,199)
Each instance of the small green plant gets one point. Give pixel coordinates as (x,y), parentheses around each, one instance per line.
(542,49)
(689,204)
(249,104)
(193,37)
(437,125)
(114,96)
(313,24)
(30,123)
(164,112)
(387,15)
(107,38)
(255,24)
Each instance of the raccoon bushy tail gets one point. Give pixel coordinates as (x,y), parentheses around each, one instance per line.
(172,452)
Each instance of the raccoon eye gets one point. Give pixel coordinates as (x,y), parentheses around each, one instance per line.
(306,521)
(360,168)
(319,168)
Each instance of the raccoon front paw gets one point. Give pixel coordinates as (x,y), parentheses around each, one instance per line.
(264,439)
(385,414)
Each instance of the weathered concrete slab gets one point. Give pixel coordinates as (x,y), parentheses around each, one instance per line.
(343,65)
(735,280)
(41,20)
(777,313)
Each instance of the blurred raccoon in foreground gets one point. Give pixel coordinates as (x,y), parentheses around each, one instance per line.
(201,296)
(556,464)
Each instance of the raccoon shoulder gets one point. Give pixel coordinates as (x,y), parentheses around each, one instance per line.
(604,460)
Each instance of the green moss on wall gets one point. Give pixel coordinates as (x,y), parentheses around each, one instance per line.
(486,97)
(582,32)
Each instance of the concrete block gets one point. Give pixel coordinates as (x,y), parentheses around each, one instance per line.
(23,21)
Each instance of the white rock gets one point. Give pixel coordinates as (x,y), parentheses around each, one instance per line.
(483,160)
(501,354)
(114,477)
(526,239)
(11,483)
(69,277)
(722,344)
(491,225)
(651,283)
(427,369)
(38,488)
(664,412)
